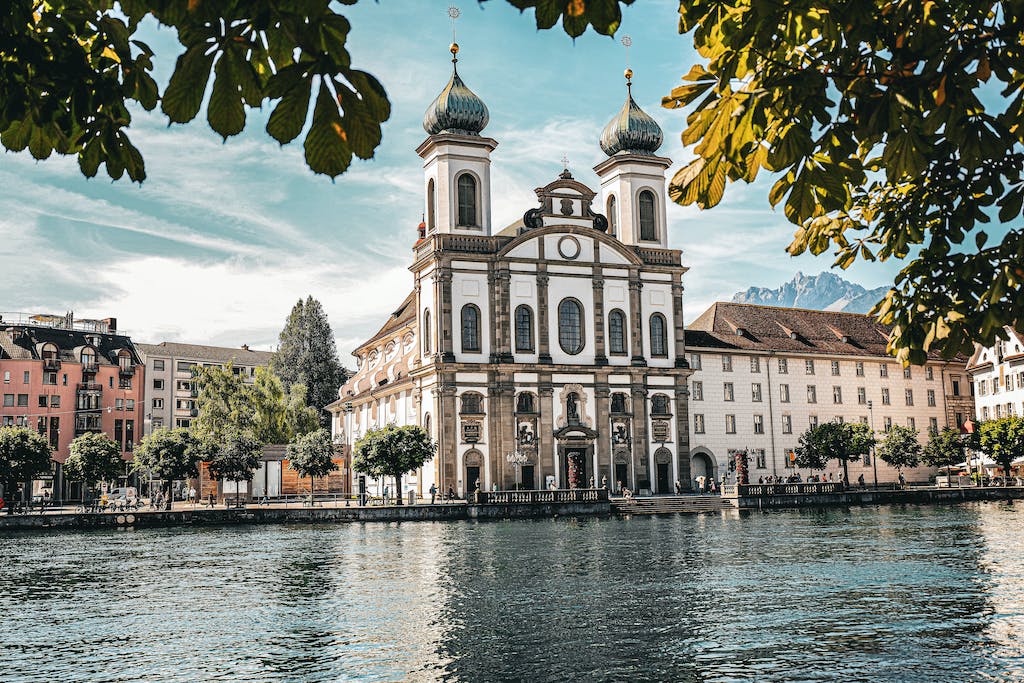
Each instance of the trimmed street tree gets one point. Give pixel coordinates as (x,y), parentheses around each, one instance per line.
(94,458)
(312,455)
(833,441)
(168,455)
(24,454)
(945,448)
(392,451)
(900,447)
(236,457)
(307,355)
(1003,439)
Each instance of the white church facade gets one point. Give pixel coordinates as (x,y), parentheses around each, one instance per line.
(550,352)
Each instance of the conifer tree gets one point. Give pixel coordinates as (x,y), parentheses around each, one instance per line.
(307,355)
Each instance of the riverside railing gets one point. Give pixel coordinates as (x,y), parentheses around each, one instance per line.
(540,496)
(789,489)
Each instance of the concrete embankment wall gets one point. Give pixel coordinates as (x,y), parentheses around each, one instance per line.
(204,517)
(869,497)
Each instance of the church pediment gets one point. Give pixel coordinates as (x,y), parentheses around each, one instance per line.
(575,432)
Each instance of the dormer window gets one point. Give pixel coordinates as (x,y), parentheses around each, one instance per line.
(49,352)
(88,357)
(467,217)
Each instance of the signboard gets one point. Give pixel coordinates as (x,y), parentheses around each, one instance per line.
(470,431)
(661,431)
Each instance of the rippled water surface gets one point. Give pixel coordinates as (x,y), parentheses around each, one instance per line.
(872,594)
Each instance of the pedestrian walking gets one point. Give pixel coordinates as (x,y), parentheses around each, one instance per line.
(860,482)
(433,493)
(384,497)
(679,487)
(451,493)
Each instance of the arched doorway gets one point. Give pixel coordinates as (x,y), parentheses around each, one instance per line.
(663,470)
(472,463)
(702,464)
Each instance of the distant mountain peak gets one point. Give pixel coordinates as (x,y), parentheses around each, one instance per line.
(823,292)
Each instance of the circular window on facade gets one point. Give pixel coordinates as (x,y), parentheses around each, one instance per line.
(569,247)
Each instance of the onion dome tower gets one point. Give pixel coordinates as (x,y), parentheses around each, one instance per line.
(457,110)
(632,131)
(457,160)
(633,176)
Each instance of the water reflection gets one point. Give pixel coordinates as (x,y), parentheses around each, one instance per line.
(902,594)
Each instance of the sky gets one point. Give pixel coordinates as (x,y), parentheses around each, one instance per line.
(224,237)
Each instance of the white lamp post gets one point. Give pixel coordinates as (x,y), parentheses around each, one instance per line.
(517,459)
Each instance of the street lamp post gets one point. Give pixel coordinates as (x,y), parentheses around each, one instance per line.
(517,459)
(874,461)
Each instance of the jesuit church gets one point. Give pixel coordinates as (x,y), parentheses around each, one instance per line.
(546,353)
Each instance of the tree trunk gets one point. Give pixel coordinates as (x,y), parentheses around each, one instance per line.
(398,487)
(168,498)
(846,473)
(312,490)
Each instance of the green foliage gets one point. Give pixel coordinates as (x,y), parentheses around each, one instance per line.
(576,15)
(94,458)
(169,454)
(312,454)
(833,441)
(944,448)
(900,447)
(236,456)
(1003,440)
(24,454)
(893,131)
(393,451)
(224,403)
(307,355)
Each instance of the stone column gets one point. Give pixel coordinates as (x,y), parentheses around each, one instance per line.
(680,333)
(605,464)
(543,341)
(507,425)
(448,433)
(600,357)
(641,461)
(636,319)
(502,299)
(545,437)
(445,336)
(495,450)
(683,431)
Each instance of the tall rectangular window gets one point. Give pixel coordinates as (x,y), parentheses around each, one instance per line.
(929,372)
(787,424)
(862,395)
(759,459)
(812,394)
(784,393)
(728,393)
(885,396)
(755,392)
(933,425)
(730,424)
(158,365)
(956,386)
(698,423)
(812,420)
(911,423)
(759,424)
(887,423)
(908,396)
(907,373)
(26,377)
(697,392)
(783,366)
(859,368)
(695,361)
(883,369)
(808,367)
(755,364)
(931,398)
(835,368)
(726,363)
(837,394)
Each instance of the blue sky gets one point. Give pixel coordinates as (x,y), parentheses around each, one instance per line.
(223,238)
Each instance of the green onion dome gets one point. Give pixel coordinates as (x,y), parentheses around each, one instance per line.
(457,109)
(632,131)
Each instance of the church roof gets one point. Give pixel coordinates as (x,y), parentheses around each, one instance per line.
(632,130)
(457,110)
(400,317)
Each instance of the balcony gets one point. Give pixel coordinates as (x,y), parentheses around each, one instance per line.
(51,364)
(126,370)
(82,387)
(90,368)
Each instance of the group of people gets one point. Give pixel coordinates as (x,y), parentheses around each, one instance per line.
(703,484)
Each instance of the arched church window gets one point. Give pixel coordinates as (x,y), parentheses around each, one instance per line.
(426,331)
(470,328)
(613,216)
(659,404)
(572,409)
(431,206)
(659,339)
(619,403)
(524,328)
(617,332)
(524,403)
(472,403)
(570,326)
(648,225)
(467,201)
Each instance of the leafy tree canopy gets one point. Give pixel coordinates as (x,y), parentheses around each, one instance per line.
(71,71)
(312,454)
(93,458)
(169,454)
(236,456)
(944,448)
(392,451)
(893,130)
(833,441)
(24,454)
(307,355)
(1003,440)
(900,447)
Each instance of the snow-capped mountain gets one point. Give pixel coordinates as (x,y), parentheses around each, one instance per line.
(824,292)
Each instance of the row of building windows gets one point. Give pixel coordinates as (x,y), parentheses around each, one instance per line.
(571,327)
(696,362)
(700,426)
(471,403)
(998,411)
(729,394)
(986,386)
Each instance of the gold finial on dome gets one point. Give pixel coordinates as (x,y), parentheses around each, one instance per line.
(628,73)
(454,48)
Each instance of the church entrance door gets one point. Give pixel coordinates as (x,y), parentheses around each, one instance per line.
(576,468)
(472,477)
(663,485)
(528,483)
(621,476)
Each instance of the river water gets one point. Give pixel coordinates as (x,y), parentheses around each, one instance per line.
(865,594)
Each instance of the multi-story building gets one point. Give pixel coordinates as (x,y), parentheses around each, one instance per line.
(170,396)
(558,339)
(997,377)
(65,377)
(762,375)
